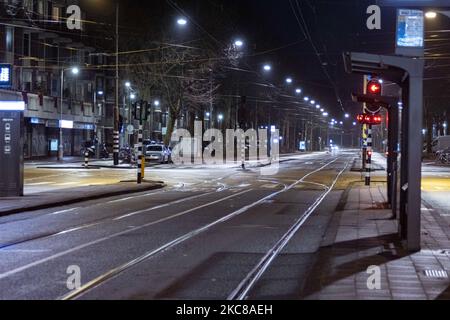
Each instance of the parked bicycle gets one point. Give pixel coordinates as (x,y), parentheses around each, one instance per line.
(128,155)
(443,156)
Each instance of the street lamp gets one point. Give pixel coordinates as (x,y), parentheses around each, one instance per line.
(132,96)
(289,80)
(156,103)
(267,67)
(431,15)
(318,107)
(74,71)
(306,99)
(325,114)
(182,22)
(298,91)
(239,43)
(313,102)
(220,117)
(347,116)
(128,84)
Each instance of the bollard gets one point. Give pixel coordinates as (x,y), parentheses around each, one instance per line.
(143,167)
(86,159)
(140,155)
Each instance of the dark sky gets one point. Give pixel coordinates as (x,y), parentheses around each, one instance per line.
(284,33)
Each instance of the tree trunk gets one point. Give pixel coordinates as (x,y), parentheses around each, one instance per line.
(174,116)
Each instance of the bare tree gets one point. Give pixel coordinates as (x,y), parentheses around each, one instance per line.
(183,77)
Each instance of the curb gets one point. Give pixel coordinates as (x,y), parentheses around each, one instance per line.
(4,213)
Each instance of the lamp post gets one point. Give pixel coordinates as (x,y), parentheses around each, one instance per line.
(116,106)
(75,71)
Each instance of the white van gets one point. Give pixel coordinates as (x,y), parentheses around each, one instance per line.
(440,143)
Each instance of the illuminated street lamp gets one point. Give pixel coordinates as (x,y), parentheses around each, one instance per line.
(306,99)
(156,103)
(182,22)
(267,67)
(239,43)
(289,80)
(431,15)
(298,91)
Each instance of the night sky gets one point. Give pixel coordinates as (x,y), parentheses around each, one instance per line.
(283,33)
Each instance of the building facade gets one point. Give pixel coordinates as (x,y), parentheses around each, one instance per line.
(35,40)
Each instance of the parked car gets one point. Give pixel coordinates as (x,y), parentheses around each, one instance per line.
(158,153)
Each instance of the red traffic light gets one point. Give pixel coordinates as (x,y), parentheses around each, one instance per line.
(374,87)
(369,119)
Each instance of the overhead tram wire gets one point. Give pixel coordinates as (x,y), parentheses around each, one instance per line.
(305,26)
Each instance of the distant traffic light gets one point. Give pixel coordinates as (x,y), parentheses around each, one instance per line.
(371,119)
(374,87)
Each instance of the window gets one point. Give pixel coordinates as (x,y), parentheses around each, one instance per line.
(9,39)
(28,5)
(26,44)
(41,8)
(49,10)
(56,13)
(26,80)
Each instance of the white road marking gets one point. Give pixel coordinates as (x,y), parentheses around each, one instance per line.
(64,211)
(85,245)
(38,184)
(66,184)
(114,272)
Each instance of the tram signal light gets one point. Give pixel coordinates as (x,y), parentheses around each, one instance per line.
(371,119)
(374,87)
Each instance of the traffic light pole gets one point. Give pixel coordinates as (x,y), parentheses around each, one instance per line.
(369,155)
(140,153)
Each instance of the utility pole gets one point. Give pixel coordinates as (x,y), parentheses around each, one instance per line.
(116,106)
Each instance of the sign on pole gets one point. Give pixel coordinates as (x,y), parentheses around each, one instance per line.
(410,33)
(5,75)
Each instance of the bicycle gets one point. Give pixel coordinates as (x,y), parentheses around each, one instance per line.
(443,156)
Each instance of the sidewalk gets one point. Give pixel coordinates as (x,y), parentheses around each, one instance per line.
(362,234)
(58,198)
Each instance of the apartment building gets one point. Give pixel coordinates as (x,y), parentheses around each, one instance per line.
(35,39)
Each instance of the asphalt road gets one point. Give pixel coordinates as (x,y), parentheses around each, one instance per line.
(212,234)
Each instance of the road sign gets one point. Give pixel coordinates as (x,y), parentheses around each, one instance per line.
(5,75)
(410,33)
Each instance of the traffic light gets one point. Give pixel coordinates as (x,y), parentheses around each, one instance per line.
(134,111)
(147,109)
(374,87)
(371,119)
